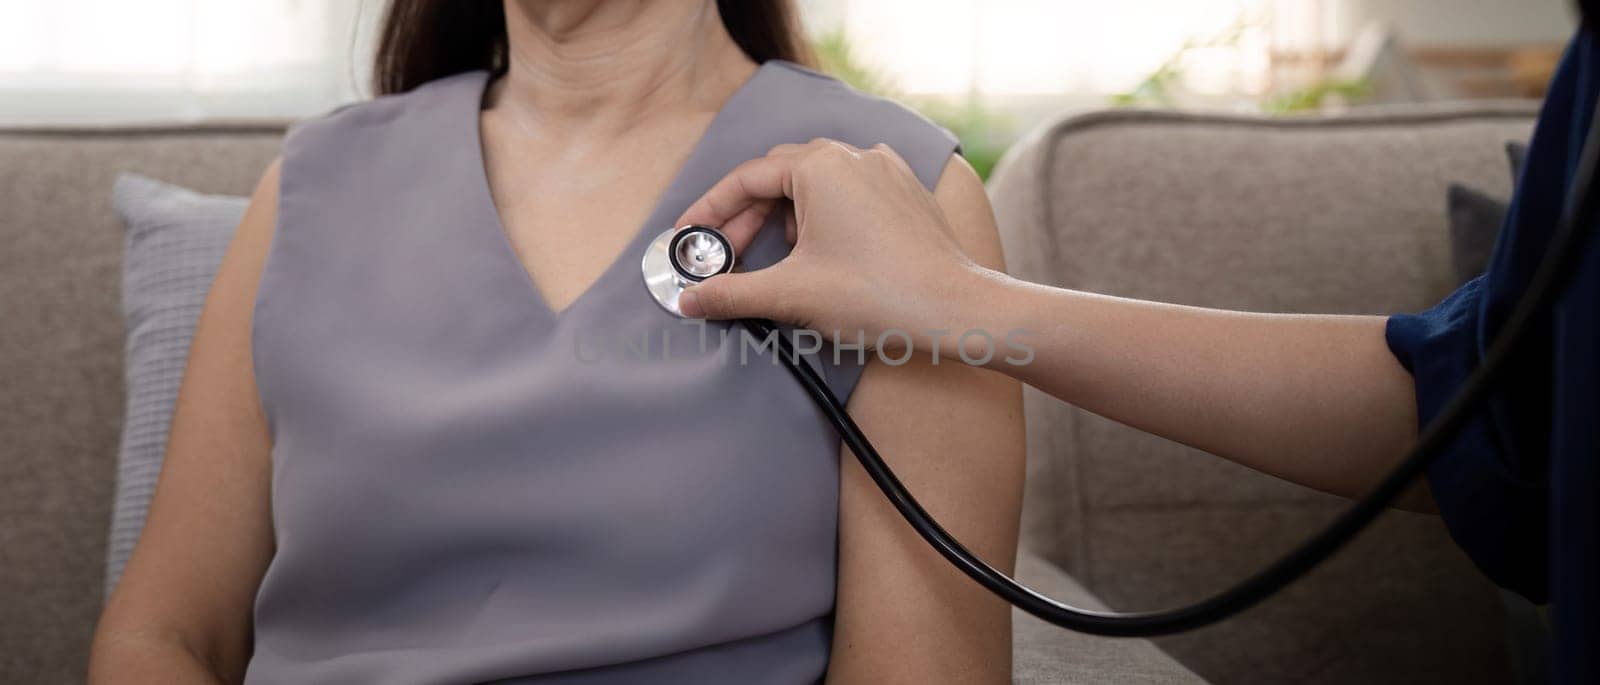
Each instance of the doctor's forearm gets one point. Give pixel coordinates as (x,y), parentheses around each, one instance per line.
(1317,400)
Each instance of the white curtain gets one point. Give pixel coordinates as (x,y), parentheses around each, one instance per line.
(66,62)
(1041,47)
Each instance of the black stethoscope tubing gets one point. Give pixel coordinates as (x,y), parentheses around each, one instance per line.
(1557,265)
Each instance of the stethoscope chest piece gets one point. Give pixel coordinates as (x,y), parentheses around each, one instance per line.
(681,257)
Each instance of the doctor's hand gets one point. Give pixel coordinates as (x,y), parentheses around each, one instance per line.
(872,249)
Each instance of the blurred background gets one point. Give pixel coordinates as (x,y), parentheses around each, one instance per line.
(988,70)
(129,129)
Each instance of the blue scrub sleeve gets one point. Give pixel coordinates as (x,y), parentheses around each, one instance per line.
(1494,503)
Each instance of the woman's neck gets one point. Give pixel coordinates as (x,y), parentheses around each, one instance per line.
(601,66)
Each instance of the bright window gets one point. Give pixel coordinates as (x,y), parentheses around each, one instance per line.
(1030,47)
(93,61)
(116,61)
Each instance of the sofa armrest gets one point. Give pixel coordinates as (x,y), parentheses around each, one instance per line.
(1042,653)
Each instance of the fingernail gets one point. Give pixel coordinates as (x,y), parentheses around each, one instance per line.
(689,304)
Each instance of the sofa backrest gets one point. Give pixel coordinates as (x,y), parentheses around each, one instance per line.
(61,384)
(1334,215)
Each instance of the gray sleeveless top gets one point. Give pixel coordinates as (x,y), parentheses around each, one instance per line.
(468,486)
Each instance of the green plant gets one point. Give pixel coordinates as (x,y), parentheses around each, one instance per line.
(1313,97)
(1155,89)
(836,56)
(1158,88)
(981,130)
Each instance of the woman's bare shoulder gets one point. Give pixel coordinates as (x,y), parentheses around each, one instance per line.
(965,202)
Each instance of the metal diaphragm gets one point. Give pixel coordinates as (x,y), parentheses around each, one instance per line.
(681,257)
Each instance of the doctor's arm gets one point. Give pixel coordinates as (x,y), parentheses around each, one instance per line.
(1317,400)
(954,434)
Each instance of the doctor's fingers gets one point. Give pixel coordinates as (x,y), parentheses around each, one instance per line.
(776,292)
(741,202)
(791,231)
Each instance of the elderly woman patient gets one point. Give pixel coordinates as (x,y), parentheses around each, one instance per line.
(389,465)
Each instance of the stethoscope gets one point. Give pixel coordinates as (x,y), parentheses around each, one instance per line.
(681,257)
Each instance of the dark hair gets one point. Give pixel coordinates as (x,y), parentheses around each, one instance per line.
(422,40)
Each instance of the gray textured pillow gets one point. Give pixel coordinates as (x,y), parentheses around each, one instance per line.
(1476,218)
(175,242)
(1517,155)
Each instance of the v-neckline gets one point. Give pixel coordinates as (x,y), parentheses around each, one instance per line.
(504,247)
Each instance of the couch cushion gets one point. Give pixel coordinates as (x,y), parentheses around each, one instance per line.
(1333,215)
(176,238)
(61,338)
(1047,655)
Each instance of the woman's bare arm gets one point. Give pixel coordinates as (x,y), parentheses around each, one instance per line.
(182,610)
(954,435)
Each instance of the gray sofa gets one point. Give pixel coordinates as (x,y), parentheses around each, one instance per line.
(1325,216)
(1338,215)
